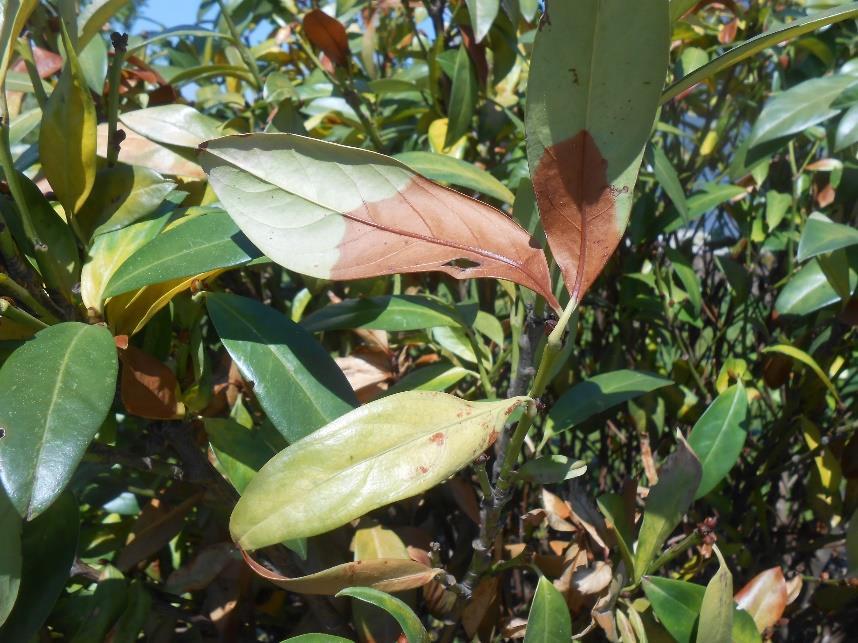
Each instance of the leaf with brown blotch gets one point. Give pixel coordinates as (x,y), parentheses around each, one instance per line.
(764,597)
(148,387)
(384,574)
(587,125)
(337,212)
(328,34)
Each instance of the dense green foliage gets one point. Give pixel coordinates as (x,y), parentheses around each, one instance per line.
(263,375)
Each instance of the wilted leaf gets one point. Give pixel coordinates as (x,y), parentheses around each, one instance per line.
(386,575)
(328,34)
(148,387)
(388,450)
(381,218)
(587,125)
(764,597)
(55,392)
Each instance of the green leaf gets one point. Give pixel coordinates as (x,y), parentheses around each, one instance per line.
(600,393)
(716,610)
(385,312)
(317,638)
(548,620)
(173,125)
(800,356)
(109,251)
(67,135)
(587,125)
(14,16)
(684,269)
(666,175)
(713,195)
(132,621)
(195,246)
(447,169)
(666,503)
(777,206)
(408,621)
(821,235)
(483,14)
(48,545)
(677,605)
(678,8)
(59,264)
(758,43)
(240,451)
(55,392)
(94,16)
(435,377)
(463,98)
(126,194)
(847,130)
(297,383)
(808,290)
(799,107)
(108,603)
(550,469)
(10,556)
(719,435)
(387,450)
(617,518)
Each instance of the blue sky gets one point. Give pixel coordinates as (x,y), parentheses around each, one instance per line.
(170,12)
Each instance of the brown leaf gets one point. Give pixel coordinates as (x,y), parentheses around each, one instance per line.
(826,196)
(466,498)
(148,387)
(202,569)
(156,526)
(138,150)
(577,210)
(590,581)
(485,598)
(558,511)
(328,34)
(764,597)
(47,62)
(365,371)
(385,574)
(727,34)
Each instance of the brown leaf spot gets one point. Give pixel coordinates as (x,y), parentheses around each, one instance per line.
(437,438)
(148,387)
(423,469)
(578,209)
(426,227)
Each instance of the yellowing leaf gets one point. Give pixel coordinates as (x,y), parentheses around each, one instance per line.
(388,450)
(67,136)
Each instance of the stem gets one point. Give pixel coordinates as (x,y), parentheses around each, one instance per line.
(26,50)
(21,294)
(120,45)
(484,376)
(243,51)
(10,312)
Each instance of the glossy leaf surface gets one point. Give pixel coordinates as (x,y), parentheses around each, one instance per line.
(587,127)
(764,597)
(548,620)
(200,244)
(294,378)
(719,435)
(55,392)
(387,450)
(822,235)
(601,393)
(483,14)
(10,556)
(382,218)
(386,312)
(408,621)
(716,610)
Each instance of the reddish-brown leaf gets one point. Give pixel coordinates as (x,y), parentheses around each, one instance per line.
(328,34)
(764,597)
(156,526)
(148,387)
(577,207)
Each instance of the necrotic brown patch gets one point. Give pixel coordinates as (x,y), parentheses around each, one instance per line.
(429,227)
(577,207)
(437,438)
